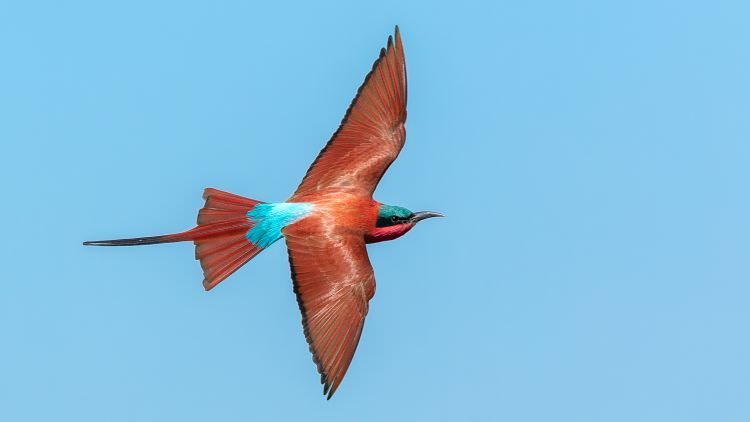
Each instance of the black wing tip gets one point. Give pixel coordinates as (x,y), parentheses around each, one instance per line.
(333,390)
(328,390)
(395,39)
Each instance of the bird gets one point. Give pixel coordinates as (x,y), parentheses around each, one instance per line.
(326,223)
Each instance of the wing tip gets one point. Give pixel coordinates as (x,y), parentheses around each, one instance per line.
(395,47)
(331,389)
(208,285)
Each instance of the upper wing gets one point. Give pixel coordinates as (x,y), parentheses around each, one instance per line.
(334,281)
(372,132)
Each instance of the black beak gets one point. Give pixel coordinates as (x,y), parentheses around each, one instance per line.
(419,216)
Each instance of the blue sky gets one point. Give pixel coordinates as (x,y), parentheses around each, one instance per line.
(592,160)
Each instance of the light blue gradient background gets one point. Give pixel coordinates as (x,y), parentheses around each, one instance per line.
(593,161)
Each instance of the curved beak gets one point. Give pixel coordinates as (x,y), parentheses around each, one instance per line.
(421,215)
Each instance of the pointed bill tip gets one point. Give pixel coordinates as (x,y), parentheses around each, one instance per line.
(422,215)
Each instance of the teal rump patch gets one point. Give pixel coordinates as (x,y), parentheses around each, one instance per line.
(269,219)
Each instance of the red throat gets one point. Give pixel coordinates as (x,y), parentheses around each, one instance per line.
(381,234)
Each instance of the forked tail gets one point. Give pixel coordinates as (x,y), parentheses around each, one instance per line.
(221,242)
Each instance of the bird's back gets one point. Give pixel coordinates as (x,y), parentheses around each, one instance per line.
(343,209)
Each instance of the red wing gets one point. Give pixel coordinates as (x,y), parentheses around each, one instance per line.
(372,132)
(334,281)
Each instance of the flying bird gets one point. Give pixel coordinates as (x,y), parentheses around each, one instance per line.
(326,223)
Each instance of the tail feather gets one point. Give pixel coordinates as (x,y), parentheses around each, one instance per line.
(218,269)
(151,240)
(220,238)
(218,246)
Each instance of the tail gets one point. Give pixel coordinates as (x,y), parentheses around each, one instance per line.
(220,238)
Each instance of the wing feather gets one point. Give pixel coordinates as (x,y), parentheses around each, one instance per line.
(333,281)
(372,132)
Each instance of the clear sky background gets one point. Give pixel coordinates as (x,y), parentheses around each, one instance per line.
(593,161)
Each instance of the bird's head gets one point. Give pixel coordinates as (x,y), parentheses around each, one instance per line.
(394,221)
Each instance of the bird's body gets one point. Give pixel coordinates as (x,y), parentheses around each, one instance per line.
(326,222)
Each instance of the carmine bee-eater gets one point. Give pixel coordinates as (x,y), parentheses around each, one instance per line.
(326,223)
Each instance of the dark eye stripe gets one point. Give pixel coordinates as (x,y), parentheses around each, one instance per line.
(390,221)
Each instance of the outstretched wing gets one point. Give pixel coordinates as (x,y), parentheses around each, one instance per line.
(334,281)
(372,132)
